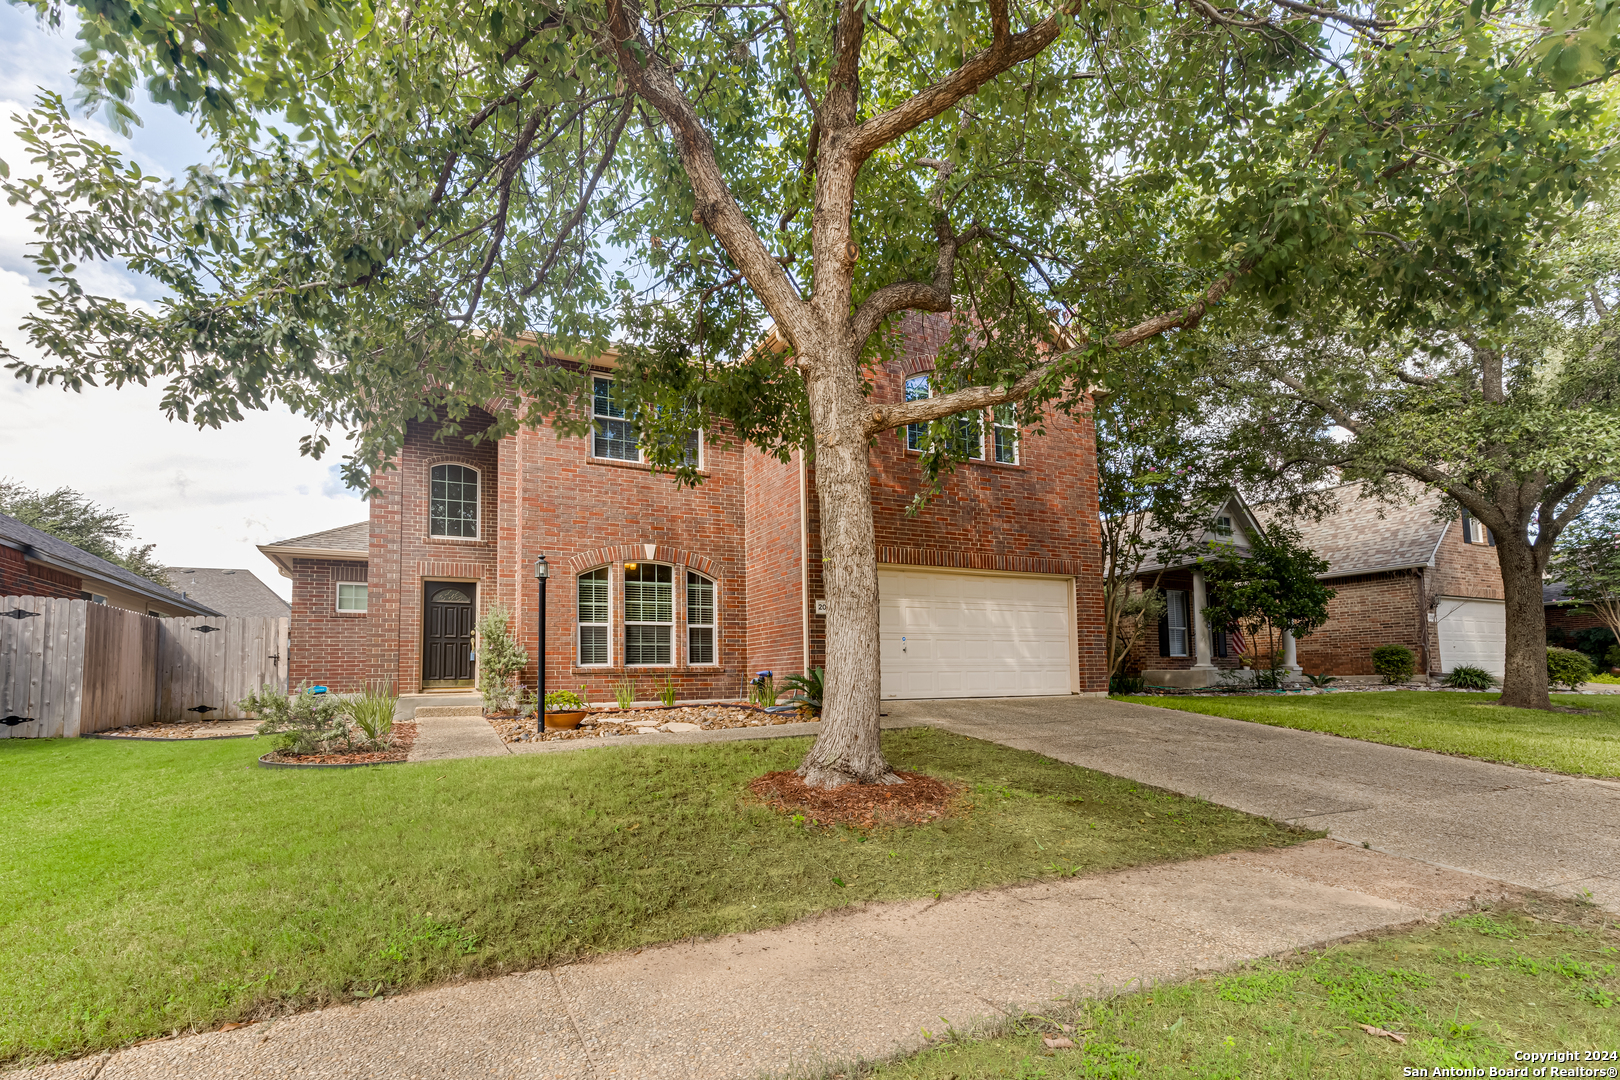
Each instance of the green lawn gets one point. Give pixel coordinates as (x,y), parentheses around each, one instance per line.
(1468,993)
(1453,723)
(149,887)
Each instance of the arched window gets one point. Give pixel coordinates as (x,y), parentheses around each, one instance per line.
(453,505)
(699,619)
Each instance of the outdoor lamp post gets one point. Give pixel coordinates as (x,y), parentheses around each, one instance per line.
(541,571)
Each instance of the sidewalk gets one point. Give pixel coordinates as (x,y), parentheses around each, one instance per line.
(860,983)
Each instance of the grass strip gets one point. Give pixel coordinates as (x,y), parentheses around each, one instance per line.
(1464,994)
(1472,725)
(154,887)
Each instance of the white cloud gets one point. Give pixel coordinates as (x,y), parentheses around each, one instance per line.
(205,498)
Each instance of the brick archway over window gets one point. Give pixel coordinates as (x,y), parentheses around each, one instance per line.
(660,553)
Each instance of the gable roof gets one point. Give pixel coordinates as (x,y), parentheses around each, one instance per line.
(229,591)
(44,548)
(348,542)
(1368,535)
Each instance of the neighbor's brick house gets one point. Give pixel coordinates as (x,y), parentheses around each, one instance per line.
(1401,577)
(993,588)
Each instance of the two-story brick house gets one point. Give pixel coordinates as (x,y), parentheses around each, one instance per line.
(992,589)
(1401,577)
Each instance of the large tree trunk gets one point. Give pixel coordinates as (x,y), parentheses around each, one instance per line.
(1524,679)
(848,750)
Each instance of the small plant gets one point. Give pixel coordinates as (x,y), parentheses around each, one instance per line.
(1322,679)
(564,701)
(807,687)
(304,723)
(1469,677)
(666,693)
(372,710)
(1394,662)
(624,692)
(1125,684)
(1566,667)
(762,689)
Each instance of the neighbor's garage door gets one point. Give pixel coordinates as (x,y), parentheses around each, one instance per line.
(972,635)
(1472,632)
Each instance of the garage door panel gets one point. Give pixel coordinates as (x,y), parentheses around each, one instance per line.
(1472,632)
(969,635)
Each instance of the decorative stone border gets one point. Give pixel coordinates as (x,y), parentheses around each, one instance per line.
(263,764)
(161,738)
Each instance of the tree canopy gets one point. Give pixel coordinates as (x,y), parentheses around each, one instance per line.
(68,515)
(417,208)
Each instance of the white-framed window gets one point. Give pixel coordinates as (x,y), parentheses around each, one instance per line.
(700,619)
(1475,533)
(1175,614)
(594,606)
(969,433)
(351,596)
(616,437)
(649,614)
(1004,426)
(453,501)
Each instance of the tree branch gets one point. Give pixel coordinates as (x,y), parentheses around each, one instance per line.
(1006,49)
(915,295)
(574,218)
(977,398)
(716,208)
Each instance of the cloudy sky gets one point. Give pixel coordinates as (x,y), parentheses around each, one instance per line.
(205,498)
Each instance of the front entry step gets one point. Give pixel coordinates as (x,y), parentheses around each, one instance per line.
(424,711)
(414,705)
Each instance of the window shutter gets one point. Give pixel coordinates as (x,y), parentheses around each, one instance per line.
(1468,528)
(1217,638)
(1164,634)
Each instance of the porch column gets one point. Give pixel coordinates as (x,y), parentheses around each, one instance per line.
(1200,630)
(1290,659)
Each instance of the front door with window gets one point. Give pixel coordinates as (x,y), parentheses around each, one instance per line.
(447,633)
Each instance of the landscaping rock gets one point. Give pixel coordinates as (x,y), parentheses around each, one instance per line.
(682,718)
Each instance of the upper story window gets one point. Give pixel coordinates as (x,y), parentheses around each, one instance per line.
(1475,533)
(649,613)
(453,504)
(1004,420)
(616,436)
(699,619)
(593,618)
(967,436)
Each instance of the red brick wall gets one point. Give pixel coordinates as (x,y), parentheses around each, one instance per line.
(1039,516)
(19,577)
(776,600)
(1369,611)
(1462,569)
(327,646)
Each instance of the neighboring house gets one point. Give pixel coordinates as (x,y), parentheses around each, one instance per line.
(992,589)
(35,563)
(1402,578)
(229,592)
(1572,626)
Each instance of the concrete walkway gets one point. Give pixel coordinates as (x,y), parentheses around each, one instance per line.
(1542,830)
(860,983)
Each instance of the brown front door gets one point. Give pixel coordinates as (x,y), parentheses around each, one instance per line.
(447,633)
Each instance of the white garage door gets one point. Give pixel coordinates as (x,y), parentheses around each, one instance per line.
(970,635)
(1472,632)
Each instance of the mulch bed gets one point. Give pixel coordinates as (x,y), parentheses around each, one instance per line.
(616,722)
(399,749)
(197,729)
(918,801)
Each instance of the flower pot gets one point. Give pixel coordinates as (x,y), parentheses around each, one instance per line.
(564,721)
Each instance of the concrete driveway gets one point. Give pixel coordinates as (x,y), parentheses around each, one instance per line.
(1536,829)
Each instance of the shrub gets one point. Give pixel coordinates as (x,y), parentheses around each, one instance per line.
(1469,677)
(1567,667)
(762,689)
(1322,679)
(500,658)
(1394,662)
(808,687)
(304,723)
(372,710)
(1612,657)
(666,693)
(624,692)
(1126,684)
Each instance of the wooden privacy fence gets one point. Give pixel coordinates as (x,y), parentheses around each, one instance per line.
(70,667)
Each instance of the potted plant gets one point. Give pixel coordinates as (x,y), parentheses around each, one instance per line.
(564,710)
